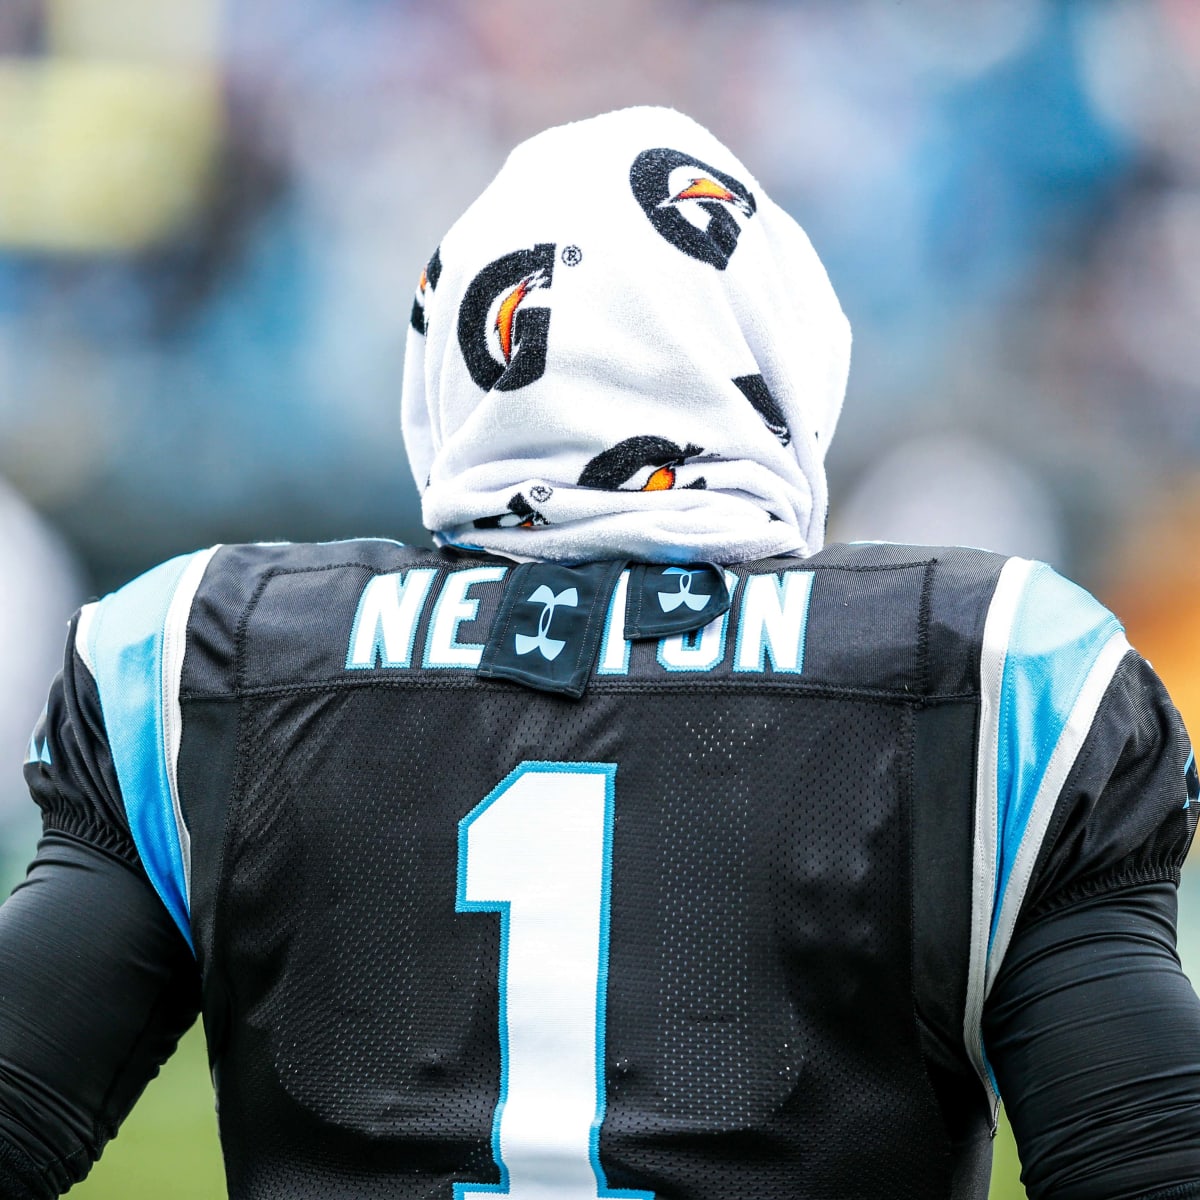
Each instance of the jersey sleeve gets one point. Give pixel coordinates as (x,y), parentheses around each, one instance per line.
(102,763)
(1081,768)
(1128,811)
(69,767)
(1091,1027)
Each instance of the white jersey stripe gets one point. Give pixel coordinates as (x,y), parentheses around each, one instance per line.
(174,647)
(83,636)
(1010,587)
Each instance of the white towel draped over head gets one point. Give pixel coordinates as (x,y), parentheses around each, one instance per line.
(625,349)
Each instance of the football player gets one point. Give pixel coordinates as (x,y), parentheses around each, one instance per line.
(632,842)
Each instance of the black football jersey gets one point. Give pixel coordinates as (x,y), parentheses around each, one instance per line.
(723,926)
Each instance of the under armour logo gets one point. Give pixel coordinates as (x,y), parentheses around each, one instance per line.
(550,647)
(670,601)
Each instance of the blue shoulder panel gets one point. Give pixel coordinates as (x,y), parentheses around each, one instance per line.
(126,646)
(1057,635)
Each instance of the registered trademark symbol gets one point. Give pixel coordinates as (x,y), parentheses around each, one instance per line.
(572,256)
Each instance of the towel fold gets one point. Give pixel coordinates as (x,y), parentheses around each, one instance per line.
(625,349)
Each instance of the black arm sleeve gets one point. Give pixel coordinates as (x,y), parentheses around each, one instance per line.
(1093,1031)
(96,986)
(96,982)
(1092,1028)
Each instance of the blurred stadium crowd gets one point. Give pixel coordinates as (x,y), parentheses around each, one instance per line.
(212,219)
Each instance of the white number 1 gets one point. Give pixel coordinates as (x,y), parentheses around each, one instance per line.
(538,850)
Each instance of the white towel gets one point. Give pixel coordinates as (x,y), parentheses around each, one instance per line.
(625,349)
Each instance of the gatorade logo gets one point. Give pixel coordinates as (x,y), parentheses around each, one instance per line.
(640,464)
(697,208)
(502,329)
(426,284)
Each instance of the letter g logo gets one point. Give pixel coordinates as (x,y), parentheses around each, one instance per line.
(501,333)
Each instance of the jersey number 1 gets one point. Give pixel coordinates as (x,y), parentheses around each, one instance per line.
(538,850)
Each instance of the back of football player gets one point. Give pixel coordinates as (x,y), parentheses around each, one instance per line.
(561,862)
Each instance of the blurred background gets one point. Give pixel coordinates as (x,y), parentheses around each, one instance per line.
(212,220)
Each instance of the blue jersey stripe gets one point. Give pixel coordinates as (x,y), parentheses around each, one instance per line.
(1058,633)
(126,646)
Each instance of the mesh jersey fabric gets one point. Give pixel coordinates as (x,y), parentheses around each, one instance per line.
(787,908)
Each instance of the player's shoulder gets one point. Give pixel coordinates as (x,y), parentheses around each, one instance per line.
(233,574)
(963,575)
(979,614)
(918,609)
(204,601)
